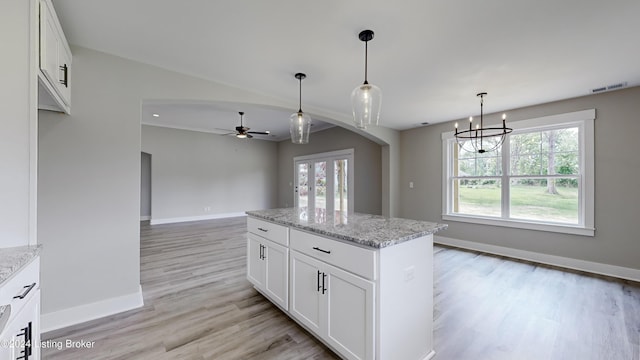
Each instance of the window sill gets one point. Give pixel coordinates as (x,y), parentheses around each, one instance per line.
(519,224)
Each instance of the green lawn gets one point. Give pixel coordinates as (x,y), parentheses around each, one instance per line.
(527,202)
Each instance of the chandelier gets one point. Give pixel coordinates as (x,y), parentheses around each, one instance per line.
(482,139)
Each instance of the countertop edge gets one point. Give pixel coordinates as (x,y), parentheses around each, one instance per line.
(372,244)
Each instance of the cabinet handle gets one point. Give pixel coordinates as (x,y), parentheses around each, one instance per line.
(319,286)
(263,230)
(26,350)
(65,79)
(324,277)
(24,294)
(324,251)
(261,252)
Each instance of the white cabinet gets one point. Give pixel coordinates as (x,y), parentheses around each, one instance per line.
(268,264)
(335,304)
(364,303)
(21,335)
(55,62)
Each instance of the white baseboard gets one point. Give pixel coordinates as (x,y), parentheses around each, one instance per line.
(87,312)
(145,217)
(569,263)
(195,218)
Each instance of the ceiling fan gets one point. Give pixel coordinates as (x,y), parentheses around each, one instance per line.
(242,132)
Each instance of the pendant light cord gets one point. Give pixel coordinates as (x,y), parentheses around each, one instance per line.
(300,97)
(366,53)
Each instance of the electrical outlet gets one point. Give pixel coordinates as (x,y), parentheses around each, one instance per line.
(410,184)
(207,209)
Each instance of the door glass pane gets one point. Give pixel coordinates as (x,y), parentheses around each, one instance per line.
(303,185)
(341,191)
(320,190)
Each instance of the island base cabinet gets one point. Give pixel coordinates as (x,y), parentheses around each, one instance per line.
(336,305)
(268,269)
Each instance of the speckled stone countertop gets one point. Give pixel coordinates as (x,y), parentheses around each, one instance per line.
(369,230)
(14,258)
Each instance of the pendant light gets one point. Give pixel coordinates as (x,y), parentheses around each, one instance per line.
(299,122)
(366,98)
(479,136)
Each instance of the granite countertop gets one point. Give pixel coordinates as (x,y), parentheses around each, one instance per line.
(14,258)
(365,229)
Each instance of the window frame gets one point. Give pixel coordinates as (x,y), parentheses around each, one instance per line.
(584,120)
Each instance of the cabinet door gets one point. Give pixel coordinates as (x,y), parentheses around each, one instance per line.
(255,262)
(49,44)
(277,273)
(22,334)
(350,305)
(305,285)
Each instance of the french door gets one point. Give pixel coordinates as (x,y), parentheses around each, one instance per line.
(324,183)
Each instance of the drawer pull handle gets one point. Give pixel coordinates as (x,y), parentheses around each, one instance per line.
(322,250)
(24,294)
(264,230)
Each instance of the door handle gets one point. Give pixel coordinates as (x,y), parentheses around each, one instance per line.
(324,277)
(65,80)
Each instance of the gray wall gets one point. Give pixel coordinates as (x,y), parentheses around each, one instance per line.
(89,175)
(193,170)
(368,166)
(17,116)
(145,185)
(617,170)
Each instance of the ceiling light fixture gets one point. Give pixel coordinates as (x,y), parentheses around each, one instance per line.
(156,115)
(242,131)
(299,122)
(366,98)
(479,136)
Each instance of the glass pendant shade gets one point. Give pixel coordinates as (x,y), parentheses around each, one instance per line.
(366,101)
(299,127)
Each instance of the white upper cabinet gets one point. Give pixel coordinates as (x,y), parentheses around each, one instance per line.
(54,92)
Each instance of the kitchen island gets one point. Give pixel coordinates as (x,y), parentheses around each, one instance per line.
(362,284)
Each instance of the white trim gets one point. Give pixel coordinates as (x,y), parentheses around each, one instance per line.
(145,217)
(196,218)
(320,156)
(87,312)
(525,224)
(569,263)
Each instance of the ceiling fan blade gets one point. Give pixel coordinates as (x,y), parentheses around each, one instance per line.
(259,132)
(249,136)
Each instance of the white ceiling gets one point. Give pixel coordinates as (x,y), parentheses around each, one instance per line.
(429,57)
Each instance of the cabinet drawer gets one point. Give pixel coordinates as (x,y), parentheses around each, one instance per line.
(352,258)
(274,232)
(19,284)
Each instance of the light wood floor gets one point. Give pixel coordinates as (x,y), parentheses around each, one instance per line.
(198,305)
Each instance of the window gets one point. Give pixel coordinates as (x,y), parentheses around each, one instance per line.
(540,178)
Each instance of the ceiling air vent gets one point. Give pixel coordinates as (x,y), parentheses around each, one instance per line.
(609,87)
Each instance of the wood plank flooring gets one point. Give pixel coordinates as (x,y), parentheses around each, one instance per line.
(198,305)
